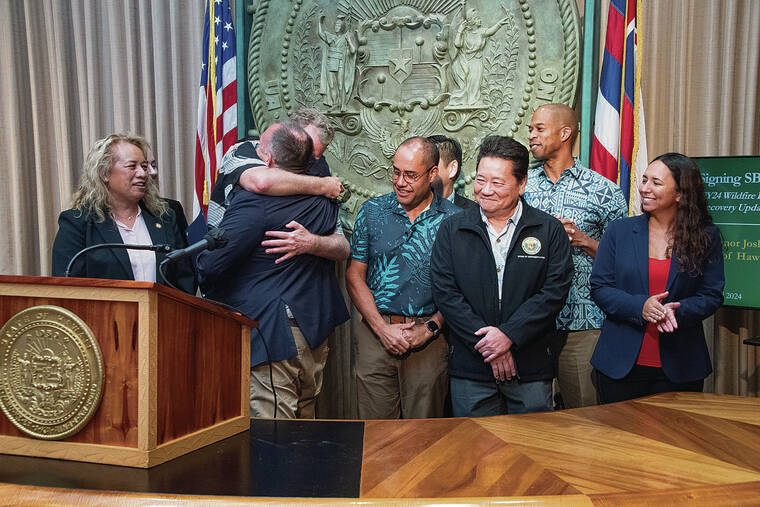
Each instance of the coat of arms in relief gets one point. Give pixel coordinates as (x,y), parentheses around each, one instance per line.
(386,70)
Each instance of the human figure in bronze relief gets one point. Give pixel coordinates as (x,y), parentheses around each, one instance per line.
(338,60)
(467,64)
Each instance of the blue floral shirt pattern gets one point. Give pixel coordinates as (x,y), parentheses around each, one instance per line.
(592,201)
(397,253)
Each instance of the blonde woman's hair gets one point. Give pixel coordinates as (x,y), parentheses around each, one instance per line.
(92,196)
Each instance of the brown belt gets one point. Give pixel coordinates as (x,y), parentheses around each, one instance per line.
(403,319)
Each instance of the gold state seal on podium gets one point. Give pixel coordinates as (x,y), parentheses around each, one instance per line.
(51,372)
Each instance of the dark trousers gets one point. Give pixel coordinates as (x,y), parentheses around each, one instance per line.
(640,381)
(474,398)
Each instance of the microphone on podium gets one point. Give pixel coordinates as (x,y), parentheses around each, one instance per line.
(215,238)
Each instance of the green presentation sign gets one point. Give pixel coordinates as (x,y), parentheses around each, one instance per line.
(732,185)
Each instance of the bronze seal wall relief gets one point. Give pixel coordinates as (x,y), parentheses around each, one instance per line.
(51,372)
(386,70)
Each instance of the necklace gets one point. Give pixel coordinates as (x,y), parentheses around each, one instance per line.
(121,219)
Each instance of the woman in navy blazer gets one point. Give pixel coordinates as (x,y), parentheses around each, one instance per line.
(116,198)
(657,276)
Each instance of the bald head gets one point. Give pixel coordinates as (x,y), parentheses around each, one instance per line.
(562,116)
(426,148)
(414,169)
(553,130)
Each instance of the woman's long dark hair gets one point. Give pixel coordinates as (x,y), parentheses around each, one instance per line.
(691,241)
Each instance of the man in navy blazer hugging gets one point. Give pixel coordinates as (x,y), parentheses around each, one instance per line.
(295,298)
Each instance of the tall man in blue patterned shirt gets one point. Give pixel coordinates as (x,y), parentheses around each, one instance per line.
(585,202)
(401,365)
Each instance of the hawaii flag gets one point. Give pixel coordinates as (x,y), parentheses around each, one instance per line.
(619,149)
(217,107)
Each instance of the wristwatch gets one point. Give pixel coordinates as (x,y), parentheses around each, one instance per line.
(433,327)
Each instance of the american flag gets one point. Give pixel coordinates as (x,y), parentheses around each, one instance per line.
(217,107)
(619,150)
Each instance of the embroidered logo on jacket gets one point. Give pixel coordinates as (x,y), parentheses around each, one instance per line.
(531,245)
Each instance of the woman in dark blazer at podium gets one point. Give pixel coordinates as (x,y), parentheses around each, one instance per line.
(117,202)
(657,276)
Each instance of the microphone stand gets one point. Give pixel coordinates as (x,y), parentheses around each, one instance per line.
(155,248)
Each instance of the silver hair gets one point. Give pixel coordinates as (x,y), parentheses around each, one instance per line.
(310,116)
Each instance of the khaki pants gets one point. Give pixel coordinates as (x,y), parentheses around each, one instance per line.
(298,382)
(574,375)
(390,388)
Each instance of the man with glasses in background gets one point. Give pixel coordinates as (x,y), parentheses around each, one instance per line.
(400,355)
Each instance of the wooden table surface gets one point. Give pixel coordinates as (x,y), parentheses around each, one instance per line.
(675,448)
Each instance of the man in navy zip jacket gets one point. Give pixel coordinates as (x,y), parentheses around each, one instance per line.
(500,275)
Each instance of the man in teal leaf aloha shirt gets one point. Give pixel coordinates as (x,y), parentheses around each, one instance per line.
(400,357)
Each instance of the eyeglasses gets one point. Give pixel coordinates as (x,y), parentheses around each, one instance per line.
(409,176)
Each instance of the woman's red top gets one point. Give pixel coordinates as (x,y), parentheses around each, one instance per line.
(649,355)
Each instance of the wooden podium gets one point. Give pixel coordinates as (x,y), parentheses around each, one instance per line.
(175,370)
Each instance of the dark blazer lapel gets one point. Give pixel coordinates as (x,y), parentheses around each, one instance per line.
(675,268)
(156,228)
(110,234)
(159,234)
(641,249)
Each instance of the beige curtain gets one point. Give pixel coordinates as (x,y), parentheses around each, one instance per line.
(72,72)
(701,76)
(701,85)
